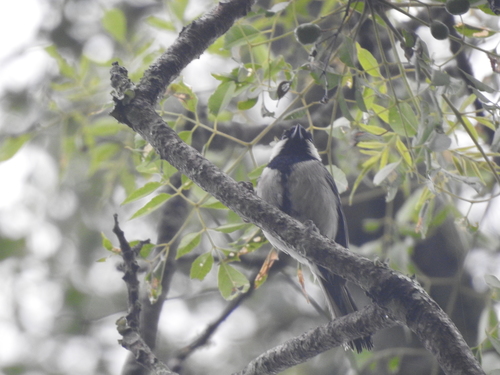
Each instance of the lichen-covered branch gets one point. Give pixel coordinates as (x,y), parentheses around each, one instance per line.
(318,340)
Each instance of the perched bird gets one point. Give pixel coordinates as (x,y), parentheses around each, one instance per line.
(297,182)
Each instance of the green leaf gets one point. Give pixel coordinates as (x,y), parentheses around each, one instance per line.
(346,52)
(247,104)
(495,143)
(358,6)
(11,146)
(371,225)
(149,166)
(103,128)
(142,192)
(154,279)
(344,108)
(478,84)
(146,250)
(467,102)
(215,206)
(186,136)
(330,79)
(231,282)
(410,39)
(127,180)
(278,7)
(101,153)
(440,78)
(473,182)
(394,364)
(188,243)
(360,96)
(151,206)
(12,248)
(339,177)
(106,243)
(368,62)
(64,68)
(219,100)
(115,23)
(403,151)
(185,94)
(296,114)
(486,9)
(381,112)
(403,120)
(472,130)
(494,342)
(473,31)
(256,173)
(371,145)
(229,228)
(439,142)
(385,172)
(239,35)
(372,129)
(160,23)
(178,8)
(201,266)
(492,281)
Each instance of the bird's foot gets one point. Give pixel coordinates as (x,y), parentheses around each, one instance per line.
(381,262)
(310,226)
(247,185)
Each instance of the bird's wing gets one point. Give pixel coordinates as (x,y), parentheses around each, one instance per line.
(342,235)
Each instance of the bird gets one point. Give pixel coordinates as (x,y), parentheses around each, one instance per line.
(296,181)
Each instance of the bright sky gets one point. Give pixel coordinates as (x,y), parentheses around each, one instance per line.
(20,61)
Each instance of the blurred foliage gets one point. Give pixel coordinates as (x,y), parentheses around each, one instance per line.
(392,107)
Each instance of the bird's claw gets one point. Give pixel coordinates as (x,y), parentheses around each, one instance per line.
(247,185)
(381,262)
(310,226)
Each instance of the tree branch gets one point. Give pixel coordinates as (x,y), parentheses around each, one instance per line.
(403,297)
(173,215)
(128,326)
(318,340)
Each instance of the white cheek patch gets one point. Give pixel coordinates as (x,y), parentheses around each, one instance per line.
(277,148)
(313,150)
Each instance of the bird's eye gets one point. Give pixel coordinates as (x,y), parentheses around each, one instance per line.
(286,134)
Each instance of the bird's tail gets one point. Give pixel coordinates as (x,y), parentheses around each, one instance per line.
(341,303)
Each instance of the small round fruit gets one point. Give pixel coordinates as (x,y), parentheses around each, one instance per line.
(439,30)
(307,33)
(457,7)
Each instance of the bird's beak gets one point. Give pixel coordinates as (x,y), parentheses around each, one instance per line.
(296,132)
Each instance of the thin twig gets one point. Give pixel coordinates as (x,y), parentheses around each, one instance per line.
(128,326)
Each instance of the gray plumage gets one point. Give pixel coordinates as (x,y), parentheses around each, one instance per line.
(308,189)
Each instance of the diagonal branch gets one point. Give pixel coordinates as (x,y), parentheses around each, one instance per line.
(318,340)
(406,301)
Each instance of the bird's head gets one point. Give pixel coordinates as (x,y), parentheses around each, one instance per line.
(296,142)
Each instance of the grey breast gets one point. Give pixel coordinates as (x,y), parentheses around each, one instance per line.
(270,188)
(312,197)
